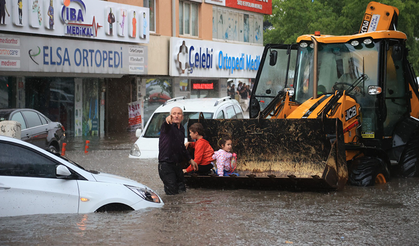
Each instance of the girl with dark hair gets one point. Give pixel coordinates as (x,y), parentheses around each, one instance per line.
(203,150)
(225,160)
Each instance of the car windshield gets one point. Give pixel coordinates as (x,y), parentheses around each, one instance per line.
(339,65)
(153,129)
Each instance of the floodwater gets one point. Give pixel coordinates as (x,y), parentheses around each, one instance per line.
(385,214)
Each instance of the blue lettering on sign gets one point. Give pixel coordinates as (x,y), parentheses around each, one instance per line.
(203,58)
(96,58)
(58,53)
(252,64)
(66,57)
(232,63)
(82,57)
(71,14)
(200,59)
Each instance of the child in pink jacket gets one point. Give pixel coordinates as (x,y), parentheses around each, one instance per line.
(224,157)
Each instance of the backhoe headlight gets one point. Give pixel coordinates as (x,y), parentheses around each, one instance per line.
(303,45)
(145,194)
(135,151)
(354,43)
(367,41)
(374,90)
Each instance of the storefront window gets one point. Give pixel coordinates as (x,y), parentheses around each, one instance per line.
(7,90)
(158,91)
(54,97)
(184,85)
(75,103)
(90,107)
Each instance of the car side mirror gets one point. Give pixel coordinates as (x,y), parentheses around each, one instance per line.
(397,53)
(254,108)
(273,57)
(62,172)
(138,133)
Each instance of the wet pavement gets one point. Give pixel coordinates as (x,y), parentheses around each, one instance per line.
(381,215)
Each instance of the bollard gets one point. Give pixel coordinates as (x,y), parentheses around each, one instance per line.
(63,149)
(86,146)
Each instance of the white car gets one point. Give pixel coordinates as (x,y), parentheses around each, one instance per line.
(35,181)
(147,144)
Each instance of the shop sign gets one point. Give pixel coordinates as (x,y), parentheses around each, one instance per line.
(259,6)
(213,59)
(88,19)
(203,86)
(36,54)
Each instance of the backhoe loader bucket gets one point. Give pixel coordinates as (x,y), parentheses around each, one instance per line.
(300,154)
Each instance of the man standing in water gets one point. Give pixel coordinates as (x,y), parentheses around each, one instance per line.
(172,152)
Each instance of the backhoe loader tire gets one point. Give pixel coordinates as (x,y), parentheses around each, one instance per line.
(367,171)
(409,162)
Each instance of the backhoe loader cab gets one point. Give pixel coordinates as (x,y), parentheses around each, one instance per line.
(327,110)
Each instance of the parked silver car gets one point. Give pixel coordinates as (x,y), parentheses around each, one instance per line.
(36,128)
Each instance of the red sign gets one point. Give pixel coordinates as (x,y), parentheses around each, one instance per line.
(259,6)
(203,86)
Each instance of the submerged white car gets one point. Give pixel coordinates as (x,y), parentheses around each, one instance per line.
(35,181)
(147,144)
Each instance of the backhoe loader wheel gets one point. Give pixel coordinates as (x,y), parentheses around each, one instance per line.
(409,162)
(367,171)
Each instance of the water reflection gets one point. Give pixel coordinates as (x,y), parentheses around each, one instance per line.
(82,224)
(380,215)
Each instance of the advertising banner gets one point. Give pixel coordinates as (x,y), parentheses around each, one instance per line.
(259,6)
(134,112)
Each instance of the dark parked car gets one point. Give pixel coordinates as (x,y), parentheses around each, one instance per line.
(36,128)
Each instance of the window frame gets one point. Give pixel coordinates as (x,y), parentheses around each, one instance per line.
(193,25)
(152,14)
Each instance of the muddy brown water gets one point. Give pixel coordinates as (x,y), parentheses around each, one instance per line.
(381,215)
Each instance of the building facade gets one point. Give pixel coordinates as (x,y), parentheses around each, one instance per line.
(93,65)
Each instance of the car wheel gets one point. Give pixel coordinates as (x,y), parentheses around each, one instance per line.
(367,171)
(53,149)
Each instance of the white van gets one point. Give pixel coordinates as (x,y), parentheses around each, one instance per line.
(147,144)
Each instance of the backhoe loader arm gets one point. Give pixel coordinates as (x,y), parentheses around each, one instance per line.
(379,17)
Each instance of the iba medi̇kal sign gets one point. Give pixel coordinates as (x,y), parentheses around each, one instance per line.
(88,19)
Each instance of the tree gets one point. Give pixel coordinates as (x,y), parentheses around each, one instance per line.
(292,18)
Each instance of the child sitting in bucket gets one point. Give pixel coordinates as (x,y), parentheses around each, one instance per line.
(225,160)
(203,150)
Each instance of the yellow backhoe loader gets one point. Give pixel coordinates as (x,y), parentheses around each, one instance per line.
(327,111)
